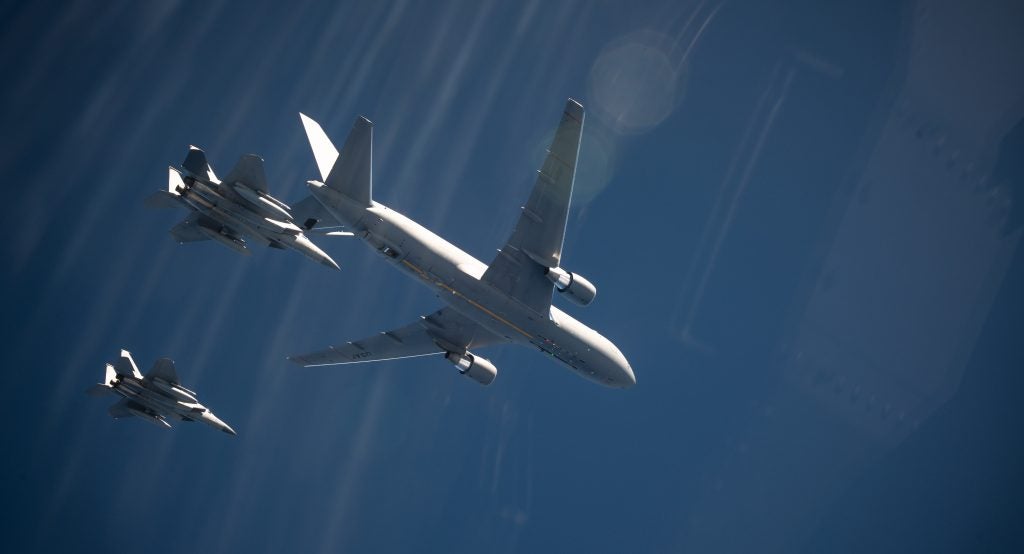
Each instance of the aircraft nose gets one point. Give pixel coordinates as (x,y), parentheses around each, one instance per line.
(327,261)
(225,427)
(623,373)
(216,422)
(306,246)
(630,378)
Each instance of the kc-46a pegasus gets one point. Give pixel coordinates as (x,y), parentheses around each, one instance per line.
(508,301)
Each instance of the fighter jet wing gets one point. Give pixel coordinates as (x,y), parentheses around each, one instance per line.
(164,369)
(249,172)
(442,331)
(120,409)
(536,241)
(188,229)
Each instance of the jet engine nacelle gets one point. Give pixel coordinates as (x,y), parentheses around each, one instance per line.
(576,288)
(476,368)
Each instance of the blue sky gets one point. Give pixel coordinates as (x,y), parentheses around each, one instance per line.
(803,227)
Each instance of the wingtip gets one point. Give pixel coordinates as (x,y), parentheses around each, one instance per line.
(297,360)
(574,108)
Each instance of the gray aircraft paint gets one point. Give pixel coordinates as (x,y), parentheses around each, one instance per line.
(155,397)
(229,211)
(499,314)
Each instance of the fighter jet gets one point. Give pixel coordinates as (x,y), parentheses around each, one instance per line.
(155,397)
(508,301)
(229,210)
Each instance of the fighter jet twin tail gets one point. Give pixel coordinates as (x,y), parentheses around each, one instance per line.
(507,301)
(232,210)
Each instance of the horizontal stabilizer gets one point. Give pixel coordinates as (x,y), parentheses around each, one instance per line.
(163,199)
(352,174)
(310,213)
(196,164)
(169,198)
(99,389)
(106,387)
(323,149)
(249,172)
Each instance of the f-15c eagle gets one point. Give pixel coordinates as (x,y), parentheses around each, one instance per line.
(508,301)
(228,211)
(154,397)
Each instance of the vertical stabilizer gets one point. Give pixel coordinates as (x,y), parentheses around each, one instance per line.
(125,365)
(196,164)
(352,174)
(323,149)
(175,184)
(171,197)
(110,376)
(107,386)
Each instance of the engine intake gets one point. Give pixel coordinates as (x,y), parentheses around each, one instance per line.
(476,368)
(575,287)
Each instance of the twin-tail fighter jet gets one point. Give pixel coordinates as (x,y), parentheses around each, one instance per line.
(154,397)
(508,301)
(234,209)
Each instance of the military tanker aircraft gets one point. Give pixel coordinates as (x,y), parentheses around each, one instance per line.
(508,301)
